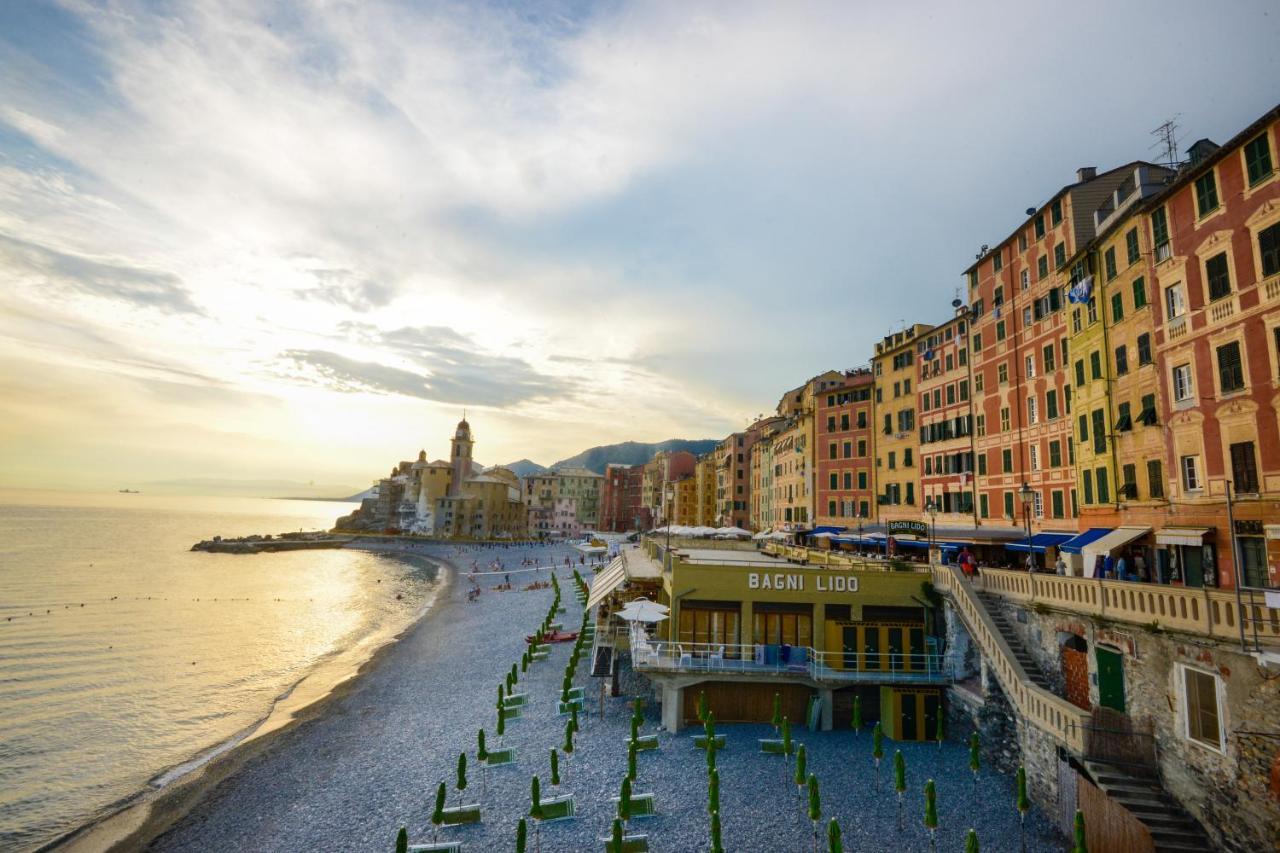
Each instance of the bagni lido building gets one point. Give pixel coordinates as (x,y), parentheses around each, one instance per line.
(744,625)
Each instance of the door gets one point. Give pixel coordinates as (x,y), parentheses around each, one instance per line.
(872,638)
(931,702)
(910,718)
(1110,679)
(849,642)
(1075,671)
(1192,565)
(916,650)
(895,649)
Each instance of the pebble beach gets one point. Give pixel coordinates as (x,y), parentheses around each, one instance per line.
(348,777)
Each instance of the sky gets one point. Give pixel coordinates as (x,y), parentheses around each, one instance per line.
(248,240)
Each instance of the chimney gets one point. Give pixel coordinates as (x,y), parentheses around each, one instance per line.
(1086,173)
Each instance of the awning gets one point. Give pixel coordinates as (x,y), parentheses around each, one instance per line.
(1104,545)
(912,543)
(609,579)
(1076,544)
(1193,536)
(825,529)
(1040,542)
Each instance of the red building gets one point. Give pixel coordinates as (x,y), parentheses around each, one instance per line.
(843,450)
(944,395)
(1216,237)
(621,509)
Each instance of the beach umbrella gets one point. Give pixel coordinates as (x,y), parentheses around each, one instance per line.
(776,719)
(974,759)
(971,842)
(815,808)
(624,800)
(437,814)
(857,715)
(462,775)
(931,812)
(709,726)
(899,780)
(522,836)
(877,748)
(833,837)
(555,767)
(786,738)
(713,792)
(615,843)
(938,732)
(702,705)
(717,844)
(1023,804)
(1079,844)
(631,759)
(643,611)
(402,841)
(535,811)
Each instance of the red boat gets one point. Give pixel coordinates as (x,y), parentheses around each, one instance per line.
(554,637)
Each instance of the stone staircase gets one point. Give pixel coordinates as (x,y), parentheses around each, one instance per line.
(1171,828)
(1034,673)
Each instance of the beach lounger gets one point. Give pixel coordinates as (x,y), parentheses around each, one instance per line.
(630,844)
(465,813)
(558,808)
(774,746)
(645,742)
(642,805)
(501,757)
(700,741)
(437,847)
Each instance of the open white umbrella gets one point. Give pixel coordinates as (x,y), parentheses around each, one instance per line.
(732,531)
(763,534)
(823,535)
(643,611)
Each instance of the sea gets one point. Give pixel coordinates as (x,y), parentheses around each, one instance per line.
(126,659)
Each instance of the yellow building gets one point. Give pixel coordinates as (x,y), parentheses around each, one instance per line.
(686,502)
(456,501)
(792,452)
(897,441)
(705,484)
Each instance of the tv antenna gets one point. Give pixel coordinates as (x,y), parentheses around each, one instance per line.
(1167,141)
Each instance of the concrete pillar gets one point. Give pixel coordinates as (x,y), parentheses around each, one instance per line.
(827,697)
(672,707)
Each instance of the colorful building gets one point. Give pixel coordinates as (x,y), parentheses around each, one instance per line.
(844,482)
(944,403)
(620,507)
(896,438)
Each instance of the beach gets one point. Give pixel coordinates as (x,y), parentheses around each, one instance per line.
(364,761)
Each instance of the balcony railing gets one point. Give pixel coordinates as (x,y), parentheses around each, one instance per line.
(776,660)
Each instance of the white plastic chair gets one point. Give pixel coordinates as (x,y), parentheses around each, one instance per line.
(686,659)
(716,658)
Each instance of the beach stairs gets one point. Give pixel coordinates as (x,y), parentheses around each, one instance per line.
(992,603)
(602,663)
(501,757)
(700,741)
(773,746)
(557,808)
(630,844)
(437,847)
(642,805)
(463,814)
(1171,828)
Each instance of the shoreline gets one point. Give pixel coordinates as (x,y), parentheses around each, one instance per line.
(155,809)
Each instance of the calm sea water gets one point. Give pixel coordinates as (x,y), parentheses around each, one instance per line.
(124,655)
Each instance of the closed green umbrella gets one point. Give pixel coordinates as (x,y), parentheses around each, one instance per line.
(624,800)
(815,808)
(776,719)
(555,767)
(931,812)
(713,792)
(717,844)
(1023,804)
(971,842)
(857,715)
(834,844)
(522,836)
(402,841)
(899,781)
(437,814)
(1079,845)
(877,748)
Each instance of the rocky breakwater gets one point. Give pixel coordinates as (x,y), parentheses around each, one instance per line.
(261,544)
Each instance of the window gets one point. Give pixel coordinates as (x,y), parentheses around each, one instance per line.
(1117,307)
(1079,372)
(997,261)
(1219,276)
(1042,268)
(906,458)
(984,506)
(1055,210)
(964,390)
(1039,226)
(1008,504)
(1026,317)
(1160,233)
(1030,364)
(1244,469)
(1006,461)
(1104,490)
(951,394)
(981,423)
(1230,370)
(1144,349)
(1048,358)
(1131,245)
(1148,414)
(1051,404)
(832,450)
(893,457)
(1139,293)
(1031,411)
(1155,478)
(1200,707)
(844,421)
(834,481)
(1000,333)
(1182,388)
(1099,431)
(1122,360)
(1084,428)
(1257,158)
(1191,473)
(1056,502)
(1035,456)
(977,343)
(1174,303)
(1086,478)
(973,278)
(982,463)
(1124,419)
(862,479)
(1060,256)
(1109,262)
(1022,241)
(1002,372)
(1004,419)
(1095,365)
(1091,310)
(862,448)
(1026,279)
(1269,249)
(1206,194)
(1055,454)
(911,493)
(1037,504)
(979,384)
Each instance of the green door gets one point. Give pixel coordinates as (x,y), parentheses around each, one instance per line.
(909,729)
(849,637)
(1110,679)
(895,649)
(872,659)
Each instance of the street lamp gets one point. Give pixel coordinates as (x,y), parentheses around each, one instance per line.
(669,496)
(1027,496)
(932,509)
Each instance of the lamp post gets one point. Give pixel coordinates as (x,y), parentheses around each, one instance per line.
(668,497)
(1027,496)
(932,509)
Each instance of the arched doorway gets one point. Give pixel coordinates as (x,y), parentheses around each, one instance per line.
(1075,669)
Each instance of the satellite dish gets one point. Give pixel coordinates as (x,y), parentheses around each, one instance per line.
(1031,211)
(955,303)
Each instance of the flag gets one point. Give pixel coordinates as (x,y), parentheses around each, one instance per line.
(1081,291)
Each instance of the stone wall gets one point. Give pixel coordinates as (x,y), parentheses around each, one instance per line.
(1235,791)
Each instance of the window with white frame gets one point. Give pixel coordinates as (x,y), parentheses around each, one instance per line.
(1035,457)
(1037,501)
(1201,695)
(1026,279)
(1030,363)
(1175,302)
(1182,386)
(1032,411)
(1191,473)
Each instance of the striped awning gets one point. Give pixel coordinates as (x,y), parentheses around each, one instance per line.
(1193,536)
(610,578)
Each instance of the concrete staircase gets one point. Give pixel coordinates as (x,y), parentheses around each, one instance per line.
(1034,673)
(1172,829)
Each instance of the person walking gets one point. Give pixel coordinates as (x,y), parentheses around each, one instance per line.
(1060,567)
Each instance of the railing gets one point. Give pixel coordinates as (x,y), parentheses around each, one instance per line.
(1211,612)
(1047,711)
(797,661)
(841,559)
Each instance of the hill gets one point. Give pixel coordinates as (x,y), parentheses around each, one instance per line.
(525,468)
(633,453)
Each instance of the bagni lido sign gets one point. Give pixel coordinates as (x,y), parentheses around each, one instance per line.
(796,583)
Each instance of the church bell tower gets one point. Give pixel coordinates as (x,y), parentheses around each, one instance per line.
(460,456)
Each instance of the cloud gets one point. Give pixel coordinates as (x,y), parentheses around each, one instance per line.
(447,368)
(81,275)
(349,290)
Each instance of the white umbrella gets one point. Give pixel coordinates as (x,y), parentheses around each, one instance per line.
(643,611)
(733,531)
(763,534)
(822,535)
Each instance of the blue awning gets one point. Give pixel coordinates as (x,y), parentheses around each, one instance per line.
(911,543)
(953,546)
(1076,544)
(1041,541)
(825,529)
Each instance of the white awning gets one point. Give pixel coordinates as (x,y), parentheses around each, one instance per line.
(1104,545)
(609,579)
(1193,536)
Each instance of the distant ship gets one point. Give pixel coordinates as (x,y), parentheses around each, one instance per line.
(130,492)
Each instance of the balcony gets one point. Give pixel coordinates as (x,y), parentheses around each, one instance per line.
(1223,309)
